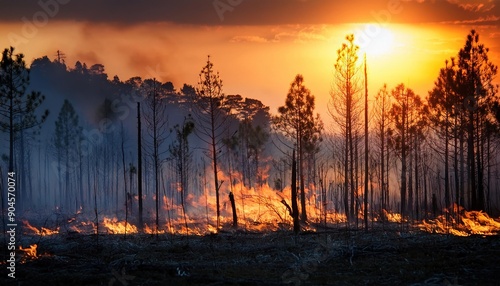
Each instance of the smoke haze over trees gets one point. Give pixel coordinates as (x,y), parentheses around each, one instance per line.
(200,142)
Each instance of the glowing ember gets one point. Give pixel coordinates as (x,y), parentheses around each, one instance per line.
(118,227)
(471,222)
(42,231)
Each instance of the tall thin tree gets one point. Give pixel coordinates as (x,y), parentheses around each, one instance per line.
(67,137)
(182,156)
(157,125)
(345,109)
(366,148)
(210,111)
(139,165)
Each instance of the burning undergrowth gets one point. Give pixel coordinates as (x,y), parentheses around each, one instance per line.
(262,250)
(60,250)
(460,222)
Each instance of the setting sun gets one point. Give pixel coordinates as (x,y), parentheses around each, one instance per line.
(374,39)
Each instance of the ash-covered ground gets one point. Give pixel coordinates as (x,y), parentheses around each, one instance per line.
(333,256)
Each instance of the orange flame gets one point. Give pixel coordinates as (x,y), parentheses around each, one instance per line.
(29,252)
(118,227)
(42,231)
(471,222)
(83,227)
(392,217)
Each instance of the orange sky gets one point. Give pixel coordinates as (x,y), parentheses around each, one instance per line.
(257,53)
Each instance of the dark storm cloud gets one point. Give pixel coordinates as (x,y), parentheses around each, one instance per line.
(249,12)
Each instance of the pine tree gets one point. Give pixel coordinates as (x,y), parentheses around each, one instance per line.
(297,121)
(345,108)
(67,138)
(211,114)
(17,108)
(406,114)
(157,125)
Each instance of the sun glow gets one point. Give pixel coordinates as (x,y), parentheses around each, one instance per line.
(373,39)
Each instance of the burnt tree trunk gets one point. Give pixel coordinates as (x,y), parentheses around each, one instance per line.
(366,150)
(295,207)
(139,164)
(233,207)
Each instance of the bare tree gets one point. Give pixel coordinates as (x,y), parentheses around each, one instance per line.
(295,208)
(68,135)
(345,109)
(366,148)
(182,156)
(210,111)
(381,114)
(157,124)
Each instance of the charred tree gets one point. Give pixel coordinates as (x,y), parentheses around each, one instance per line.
(296,120)
(139,164)
(345,109)
(295,207)
(182,157)
(366,149)
(408,124)
(157,123)
(211,114)
(68,135)
(233,208)
(381,113)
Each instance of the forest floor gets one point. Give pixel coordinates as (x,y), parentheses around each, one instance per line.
(335,256)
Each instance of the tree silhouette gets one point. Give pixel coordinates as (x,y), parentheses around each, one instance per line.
(475,85)
(210,111)
(441,102)
(156,120)
(66,141)
(249,142)
(182,156)
(17,108)
(382,123)
(297,121)
(345,108)
(407,129)
(461,108)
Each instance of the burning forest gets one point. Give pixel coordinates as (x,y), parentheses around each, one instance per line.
(139,182)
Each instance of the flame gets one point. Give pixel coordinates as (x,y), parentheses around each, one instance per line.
(118,227)
(83,227)
(471,222)
(392,217)
(259,208)
(480,223)
(42,231)
(29,252)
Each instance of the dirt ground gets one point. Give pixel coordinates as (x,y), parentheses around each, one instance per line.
(335,256)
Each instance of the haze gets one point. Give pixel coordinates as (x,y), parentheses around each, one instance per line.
(257,46)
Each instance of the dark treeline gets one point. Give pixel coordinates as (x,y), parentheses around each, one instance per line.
(70,134)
